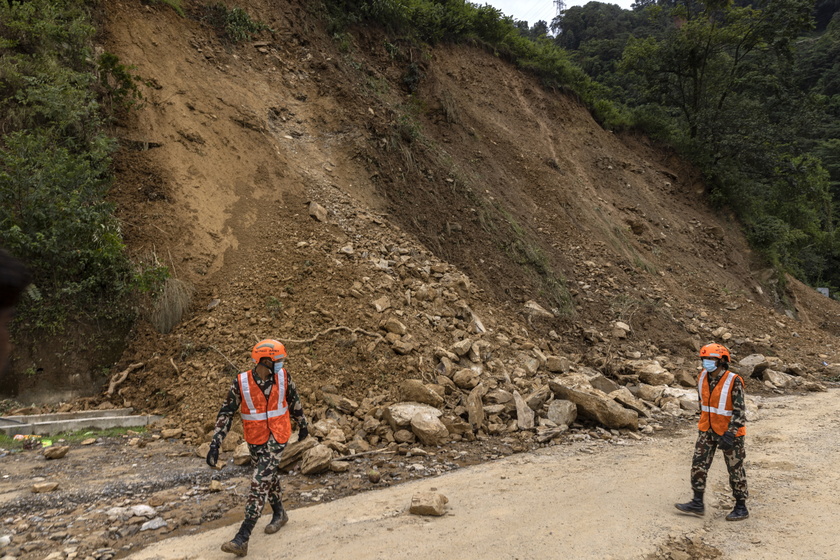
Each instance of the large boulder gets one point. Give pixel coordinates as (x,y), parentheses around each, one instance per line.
(604,384)
(413,390)
(649,393)
(429,429)
(475,406)
(316,460)
(539,397)
(242,455)
(399,415)
(557,364)
(753,365)
(524,413)
(466,378)
(625,398)
(562,412)
(340,403)
(594,404)
(294,450)
(777,379)
(650,372)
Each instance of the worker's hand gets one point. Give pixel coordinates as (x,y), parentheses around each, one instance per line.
(213,455)
(727,441)
(303,433)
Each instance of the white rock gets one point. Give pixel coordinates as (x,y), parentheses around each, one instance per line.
(153,524)
(399,415)
(143,511)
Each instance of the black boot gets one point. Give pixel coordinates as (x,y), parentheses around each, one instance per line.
(239,544)
(278,519)
(695,506)
(740,512)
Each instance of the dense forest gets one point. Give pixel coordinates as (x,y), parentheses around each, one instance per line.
(749,92)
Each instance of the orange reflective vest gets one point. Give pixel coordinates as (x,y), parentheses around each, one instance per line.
(716,408)
(261,417)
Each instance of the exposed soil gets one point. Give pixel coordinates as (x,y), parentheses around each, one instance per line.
(480,183)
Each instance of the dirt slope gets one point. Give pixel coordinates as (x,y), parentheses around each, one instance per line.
(447,209)
(480,169)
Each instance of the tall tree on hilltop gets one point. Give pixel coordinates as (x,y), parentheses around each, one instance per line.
(720,81)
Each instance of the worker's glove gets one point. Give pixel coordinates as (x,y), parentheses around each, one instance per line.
(727,441)
(213,455)
(303,433)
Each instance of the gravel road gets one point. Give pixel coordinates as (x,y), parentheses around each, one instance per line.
(585,500)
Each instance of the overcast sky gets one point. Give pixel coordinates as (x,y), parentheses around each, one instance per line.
(534,10)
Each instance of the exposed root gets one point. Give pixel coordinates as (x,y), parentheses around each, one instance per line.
(122,376)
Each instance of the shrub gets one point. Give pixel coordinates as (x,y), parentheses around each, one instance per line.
(55,163)
(234,24)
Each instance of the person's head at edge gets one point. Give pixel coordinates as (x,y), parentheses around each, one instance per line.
(14,277)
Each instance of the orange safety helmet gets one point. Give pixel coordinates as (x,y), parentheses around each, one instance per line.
(715,350)
(268,348)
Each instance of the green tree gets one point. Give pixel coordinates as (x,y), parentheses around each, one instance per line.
(711,54)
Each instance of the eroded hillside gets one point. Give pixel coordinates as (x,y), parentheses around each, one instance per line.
(399,213)
(457,204)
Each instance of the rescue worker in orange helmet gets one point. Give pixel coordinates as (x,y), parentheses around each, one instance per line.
(267,399)
(722,424)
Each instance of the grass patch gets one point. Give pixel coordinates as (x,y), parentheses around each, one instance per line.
(72,438)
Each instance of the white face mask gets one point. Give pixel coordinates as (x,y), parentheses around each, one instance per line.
(710,365)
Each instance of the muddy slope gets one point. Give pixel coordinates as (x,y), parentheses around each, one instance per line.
(442,161)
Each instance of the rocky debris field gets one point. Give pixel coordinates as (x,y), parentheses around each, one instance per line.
(101,498)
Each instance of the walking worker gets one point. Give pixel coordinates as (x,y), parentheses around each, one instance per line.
(722,424)
(267,399)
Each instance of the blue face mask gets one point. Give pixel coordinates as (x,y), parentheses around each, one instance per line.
(710,365)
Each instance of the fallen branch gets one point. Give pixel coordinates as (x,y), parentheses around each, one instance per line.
(122,376)
(334,329)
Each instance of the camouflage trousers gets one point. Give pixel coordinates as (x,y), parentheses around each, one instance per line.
(265,482)
(704,452)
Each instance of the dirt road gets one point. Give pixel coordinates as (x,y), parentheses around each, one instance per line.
(586,500)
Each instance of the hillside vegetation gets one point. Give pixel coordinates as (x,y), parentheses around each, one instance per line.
(436,131)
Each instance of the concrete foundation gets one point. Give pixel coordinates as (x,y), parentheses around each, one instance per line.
(51,424)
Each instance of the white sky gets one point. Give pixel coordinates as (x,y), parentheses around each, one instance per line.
(534,10)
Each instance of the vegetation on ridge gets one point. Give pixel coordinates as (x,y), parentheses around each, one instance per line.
(56,99)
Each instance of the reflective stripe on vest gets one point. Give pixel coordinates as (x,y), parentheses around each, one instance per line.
(724,394)
(263,417)
(248,401)
(716,408)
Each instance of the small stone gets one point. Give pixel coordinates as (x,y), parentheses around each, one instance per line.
(56,452)
(216,486)
(339,466)
(44,487)
(318,212)
(428,503)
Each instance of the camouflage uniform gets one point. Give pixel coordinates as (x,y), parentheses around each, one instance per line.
(707,443)
(265,482)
